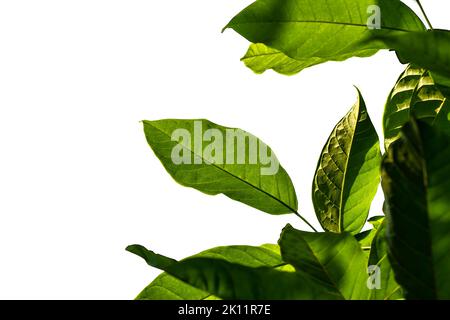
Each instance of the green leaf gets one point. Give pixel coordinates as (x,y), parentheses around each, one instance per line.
(389,288)
(416,184)
(442,120)
(228,280)
(415,93)
(427,49)
(316,31)
(397,109)
(335,260)
(347,174)
(232,162)
(365,238)
(443,82)
(260,58)
(167,287)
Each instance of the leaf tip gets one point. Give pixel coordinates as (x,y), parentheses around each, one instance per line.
(135,248)
(225,28)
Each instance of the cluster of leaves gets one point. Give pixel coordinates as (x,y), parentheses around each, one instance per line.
(410,244)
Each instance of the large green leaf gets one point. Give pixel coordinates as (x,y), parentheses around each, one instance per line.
(347,174)
(427,49)
(416,184)
(316,31)
(389,288)
(228,280)
(167,287)
(336,260)
(414,93)
(239,171)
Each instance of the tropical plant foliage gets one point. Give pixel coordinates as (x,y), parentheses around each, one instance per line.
(405,254)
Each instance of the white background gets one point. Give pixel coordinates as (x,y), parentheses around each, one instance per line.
(78,182)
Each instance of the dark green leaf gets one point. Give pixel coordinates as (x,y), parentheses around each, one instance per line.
(443,82)
(152,259)
(427,49)
(416,184)
(335,260)
(442,120)
(316,31)
(347,175)
(234,281)
(215,167)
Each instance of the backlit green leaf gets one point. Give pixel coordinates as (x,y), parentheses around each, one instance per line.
(414,93)
(228,280)
(167,287)
(218,159)
(316,31)
(388,289)
(347,174)
(365,238)
(416,184)
(260,58)
(336,260)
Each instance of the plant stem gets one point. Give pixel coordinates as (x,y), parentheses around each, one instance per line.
(305,221)
(424,14)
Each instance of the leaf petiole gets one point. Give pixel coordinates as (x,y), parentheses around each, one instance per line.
(424,14)
(305,221)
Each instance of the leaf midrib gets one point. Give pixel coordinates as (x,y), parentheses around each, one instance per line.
(349,24)
(234,176)
(341,200)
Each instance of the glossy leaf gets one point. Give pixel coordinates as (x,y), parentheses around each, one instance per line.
(336,260)
(389,288)
(316,31)
(347,174)
(260,184)
(416,184)
(415,93)
(428,49)
(228,280)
